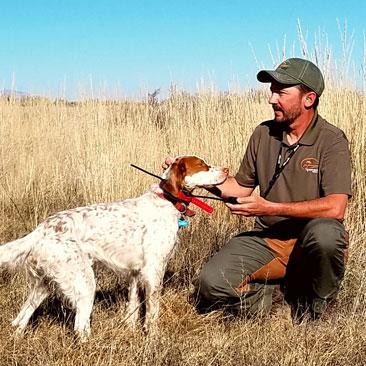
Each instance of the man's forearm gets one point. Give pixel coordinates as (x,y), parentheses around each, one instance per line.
(329,206)
(332,206)
(230,188)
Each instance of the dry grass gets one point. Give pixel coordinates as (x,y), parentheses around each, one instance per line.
(58,155)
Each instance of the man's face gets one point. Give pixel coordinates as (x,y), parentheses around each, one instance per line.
(286,101)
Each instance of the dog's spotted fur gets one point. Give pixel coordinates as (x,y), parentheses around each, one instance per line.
(134,237)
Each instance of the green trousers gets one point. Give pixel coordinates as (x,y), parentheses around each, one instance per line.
(308,262)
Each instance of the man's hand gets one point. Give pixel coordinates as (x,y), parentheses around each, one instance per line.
(251,206)
(167,163)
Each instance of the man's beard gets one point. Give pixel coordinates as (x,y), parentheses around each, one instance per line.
(288,116)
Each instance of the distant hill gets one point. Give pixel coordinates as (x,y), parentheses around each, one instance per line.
(13,93)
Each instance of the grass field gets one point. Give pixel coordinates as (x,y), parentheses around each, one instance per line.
(57,155)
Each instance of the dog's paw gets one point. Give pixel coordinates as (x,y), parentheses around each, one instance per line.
(18,332)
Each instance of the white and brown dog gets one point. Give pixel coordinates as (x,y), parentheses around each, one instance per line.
(134,237)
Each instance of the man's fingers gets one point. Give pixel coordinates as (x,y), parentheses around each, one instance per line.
(167,163)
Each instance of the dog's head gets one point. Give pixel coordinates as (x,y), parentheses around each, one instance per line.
(189,172)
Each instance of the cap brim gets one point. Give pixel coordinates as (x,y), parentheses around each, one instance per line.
(268,76)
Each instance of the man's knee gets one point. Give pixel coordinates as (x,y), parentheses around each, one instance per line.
(211,286)
(205,283)
(324,236)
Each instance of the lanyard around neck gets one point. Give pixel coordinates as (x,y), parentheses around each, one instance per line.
(280,167)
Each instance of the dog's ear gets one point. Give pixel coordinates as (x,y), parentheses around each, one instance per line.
(174,182)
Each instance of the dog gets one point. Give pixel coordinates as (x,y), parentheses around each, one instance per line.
(135,238)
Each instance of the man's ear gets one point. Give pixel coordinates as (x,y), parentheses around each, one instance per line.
(174,182)
(309,99)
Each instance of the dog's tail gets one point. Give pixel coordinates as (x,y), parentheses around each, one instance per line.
(14,253)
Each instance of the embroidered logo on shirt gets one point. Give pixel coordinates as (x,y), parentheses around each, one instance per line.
(310,165)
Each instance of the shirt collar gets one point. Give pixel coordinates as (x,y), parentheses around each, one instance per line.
(311,133)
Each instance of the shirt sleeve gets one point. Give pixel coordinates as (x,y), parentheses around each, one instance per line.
(247,174)
(335,167)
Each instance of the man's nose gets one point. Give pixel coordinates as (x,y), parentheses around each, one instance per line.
(273,98)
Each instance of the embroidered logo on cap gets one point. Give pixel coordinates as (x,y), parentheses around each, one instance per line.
(284,65)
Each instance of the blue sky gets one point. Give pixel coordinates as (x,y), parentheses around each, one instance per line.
(56,48)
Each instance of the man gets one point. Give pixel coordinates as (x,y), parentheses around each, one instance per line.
(301,164)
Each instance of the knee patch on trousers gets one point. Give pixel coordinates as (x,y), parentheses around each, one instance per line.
(273,270)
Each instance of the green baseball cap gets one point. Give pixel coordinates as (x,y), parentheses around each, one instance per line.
(295,71)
